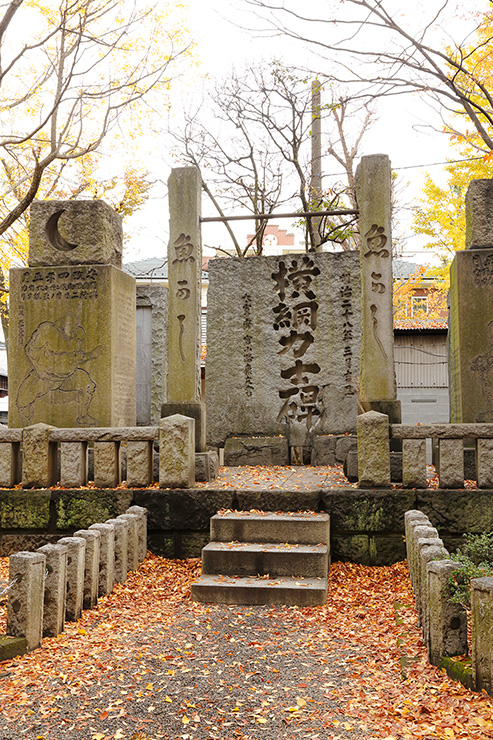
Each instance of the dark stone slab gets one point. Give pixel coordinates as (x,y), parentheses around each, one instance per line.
(457,511)
(78,509)
(12,543)
(360,510)
(185,509)
(351,548)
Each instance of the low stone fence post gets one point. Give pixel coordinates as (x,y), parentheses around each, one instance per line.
(76,559)
(176,452)
(55,589)
(428,549)
(447,621)
(482,633)
(121,549)
(133,540)
(38,457)
(73,464)
(10,469)
(373,450)
(412,519)
(106,580)
(141,512)
(91,567)
(26,597)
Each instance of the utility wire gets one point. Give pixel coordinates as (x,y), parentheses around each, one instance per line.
(417,166)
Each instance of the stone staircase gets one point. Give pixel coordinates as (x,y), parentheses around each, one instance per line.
(258,557)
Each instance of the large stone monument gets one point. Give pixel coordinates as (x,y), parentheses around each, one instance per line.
(471,312)
(378,390)
(72,314)
(283,339)
(183,386)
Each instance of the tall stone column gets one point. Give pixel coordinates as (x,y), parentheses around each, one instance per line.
(72,310)
(470,340)
(378,390)
(183,388)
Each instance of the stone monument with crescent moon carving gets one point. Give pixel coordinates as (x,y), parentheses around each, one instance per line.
(72,321)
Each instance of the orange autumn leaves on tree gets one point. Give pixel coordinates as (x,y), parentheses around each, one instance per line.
(420,299)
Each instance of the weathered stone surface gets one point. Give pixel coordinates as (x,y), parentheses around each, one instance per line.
(484,463)
(471,336)
(38,457)
(176,452)
(345,444)
(269,500)
(184,510)
(73,464)
(479,219)
(351,466)
(324,449)
(24,509)
(91,567)
(366,511)
(152,355)
(482,632)
(92,229)
(283,352)
(76,558)
(132,540)
(105,434)
(195,411)
(79,509)
(121,548)
(373,450)
(454,512)
(55,589)
(25,598)
(139,464)
(441,431)
(184,281)
(10,471)
(451,463)
(206,465)
(256,451)
(12,543)
(414,463)
(373,192)
(11,647)
(429,549)
(447,622)
(107,464)
(106,557)
(191,544)
(141,512)
(72,348)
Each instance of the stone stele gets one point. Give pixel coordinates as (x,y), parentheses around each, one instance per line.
(283,339)
(72,347)
(74,232)
(471,336)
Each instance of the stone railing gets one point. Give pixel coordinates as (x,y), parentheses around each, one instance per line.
(443,623)
(374,437)
(56,582)
(51,455)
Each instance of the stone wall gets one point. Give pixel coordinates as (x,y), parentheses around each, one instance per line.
(367,525)
(283,346)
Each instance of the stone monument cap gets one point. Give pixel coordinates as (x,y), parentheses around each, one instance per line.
(74,232)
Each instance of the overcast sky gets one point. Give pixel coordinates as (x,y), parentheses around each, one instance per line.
(401,129)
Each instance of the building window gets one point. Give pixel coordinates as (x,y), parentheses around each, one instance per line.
(419,306)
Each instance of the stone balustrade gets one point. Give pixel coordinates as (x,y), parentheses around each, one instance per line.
(443,623)
(53,585)
(41,456)
(374,443)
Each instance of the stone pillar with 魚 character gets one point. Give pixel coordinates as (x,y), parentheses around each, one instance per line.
(470,338)
(72,313)
(183,387)
(378,391)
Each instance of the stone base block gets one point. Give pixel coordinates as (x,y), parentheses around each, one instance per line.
(206,466)
(256,451)
(11,647)
(350,466)
(324,450)
(193,411)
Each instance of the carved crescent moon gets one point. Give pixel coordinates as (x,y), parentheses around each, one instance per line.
(54,237)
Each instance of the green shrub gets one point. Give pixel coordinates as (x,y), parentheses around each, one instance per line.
(474,560)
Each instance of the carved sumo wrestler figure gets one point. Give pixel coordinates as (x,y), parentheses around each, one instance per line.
(56,352)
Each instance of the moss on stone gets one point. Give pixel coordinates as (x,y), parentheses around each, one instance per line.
(78,510)
(23,509)
(459,669)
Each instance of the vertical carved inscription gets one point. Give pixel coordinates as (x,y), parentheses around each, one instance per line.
(347,332)
(295,318)
(247,343)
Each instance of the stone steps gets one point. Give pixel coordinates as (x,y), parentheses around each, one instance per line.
(260,557)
